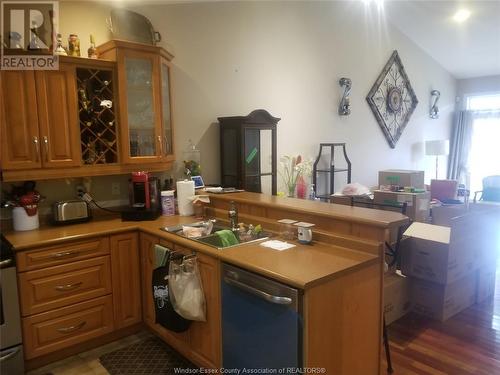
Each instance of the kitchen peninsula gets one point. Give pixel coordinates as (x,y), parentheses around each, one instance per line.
(110,263)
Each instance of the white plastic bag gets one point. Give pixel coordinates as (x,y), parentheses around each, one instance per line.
(186,289)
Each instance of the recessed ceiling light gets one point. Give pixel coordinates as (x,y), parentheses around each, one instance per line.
(461,15)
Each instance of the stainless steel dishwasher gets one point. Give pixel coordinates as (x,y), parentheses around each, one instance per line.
(261,321)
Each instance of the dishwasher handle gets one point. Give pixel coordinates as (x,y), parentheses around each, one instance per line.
(279,300)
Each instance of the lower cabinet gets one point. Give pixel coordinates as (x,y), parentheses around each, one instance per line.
(201,342)
(126,279)
(58,329)
(78,291)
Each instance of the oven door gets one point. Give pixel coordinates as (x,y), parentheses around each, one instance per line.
(10,321)
(12,361)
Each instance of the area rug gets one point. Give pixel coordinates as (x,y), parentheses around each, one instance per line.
(149,357)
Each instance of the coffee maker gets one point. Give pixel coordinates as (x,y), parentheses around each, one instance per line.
(144,197)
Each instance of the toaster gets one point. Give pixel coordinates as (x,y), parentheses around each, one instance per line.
(68,212)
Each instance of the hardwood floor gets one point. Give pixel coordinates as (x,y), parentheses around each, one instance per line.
(468,343)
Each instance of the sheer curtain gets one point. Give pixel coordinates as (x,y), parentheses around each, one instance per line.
(484,157)
(460,145)
(475,142)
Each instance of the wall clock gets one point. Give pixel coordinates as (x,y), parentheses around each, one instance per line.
(392,99)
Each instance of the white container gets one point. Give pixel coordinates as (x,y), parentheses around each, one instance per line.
(167,203)
(185,190)
(21,221)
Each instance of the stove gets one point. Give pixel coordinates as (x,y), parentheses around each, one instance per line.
(11,348)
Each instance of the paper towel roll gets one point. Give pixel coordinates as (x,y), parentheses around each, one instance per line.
(185,190)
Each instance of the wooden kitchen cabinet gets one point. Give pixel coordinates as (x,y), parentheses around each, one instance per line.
(147,260)
(20,137)
(40,127)
(125,275)
(145,100)
(201,342)
(57,104)
(205,337)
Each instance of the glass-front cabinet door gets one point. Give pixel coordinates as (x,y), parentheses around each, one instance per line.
(167,149)
(145,101)
(144,138)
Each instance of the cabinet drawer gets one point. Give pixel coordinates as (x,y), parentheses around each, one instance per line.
(60,254)
(58,329)
(59,286)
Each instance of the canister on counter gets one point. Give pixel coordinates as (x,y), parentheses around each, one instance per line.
(167,203)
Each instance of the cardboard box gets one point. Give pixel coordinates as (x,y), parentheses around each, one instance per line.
(346,200)
(438,254)
(418,204)
(397,297)
(442,215)
(401,177)
(443,301)
(486,281)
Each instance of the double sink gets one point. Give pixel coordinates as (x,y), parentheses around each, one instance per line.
(208,236)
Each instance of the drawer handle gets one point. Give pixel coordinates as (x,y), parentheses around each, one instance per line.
(65,254)
(71,328)
(65,288)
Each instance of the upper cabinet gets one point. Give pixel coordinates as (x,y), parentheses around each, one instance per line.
(20,135)
(90,117)
(145,100)
(40,126)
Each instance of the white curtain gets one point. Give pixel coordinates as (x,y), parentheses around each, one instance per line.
(484,155)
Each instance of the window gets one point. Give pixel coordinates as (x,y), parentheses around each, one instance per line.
(483,102)
(484,157)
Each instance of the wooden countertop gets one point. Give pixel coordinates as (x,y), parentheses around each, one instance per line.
(301,266)
(379,218)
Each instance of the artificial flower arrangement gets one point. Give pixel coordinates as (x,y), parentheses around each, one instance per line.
(293,171)
(192,168)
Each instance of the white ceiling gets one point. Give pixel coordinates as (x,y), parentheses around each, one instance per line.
(467,50)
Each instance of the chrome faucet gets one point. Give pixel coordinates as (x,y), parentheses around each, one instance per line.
(233,216)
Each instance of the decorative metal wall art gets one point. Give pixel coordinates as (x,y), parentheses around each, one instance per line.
(434,111)
(345,104)
(392,99)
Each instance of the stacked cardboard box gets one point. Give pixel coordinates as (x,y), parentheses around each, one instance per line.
(417,204)
(442,262)
(397,296)
(401,177)
(483,222)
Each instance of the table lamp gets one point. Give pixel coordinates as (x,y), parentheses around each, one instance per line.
(437,148)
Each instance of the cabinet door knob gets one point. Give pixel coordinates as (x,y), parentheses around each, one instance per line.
(37,148)
(46,144)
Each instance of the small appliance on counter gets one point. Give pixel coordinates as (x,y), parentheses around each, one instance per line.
(144,196)
(70,212)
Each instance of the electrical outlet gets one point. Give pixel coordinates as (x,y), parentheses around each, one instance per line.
(80,190)
(115,188)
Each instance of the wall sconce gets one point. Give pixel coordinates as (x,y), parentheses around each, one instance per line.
(434,111)
(345,105)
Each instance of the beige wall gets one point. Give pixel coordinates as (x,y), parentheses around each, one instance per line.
(286,57)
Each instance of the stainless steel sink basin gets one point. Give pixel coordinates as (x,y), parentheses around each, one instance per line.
(211,238)
(178,229)
(215,241)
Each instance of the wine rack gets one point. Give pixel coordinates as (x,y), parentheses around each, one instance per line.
(96,110)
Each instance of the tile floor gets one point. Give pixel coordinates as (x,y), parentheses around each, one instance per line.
(87,363)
